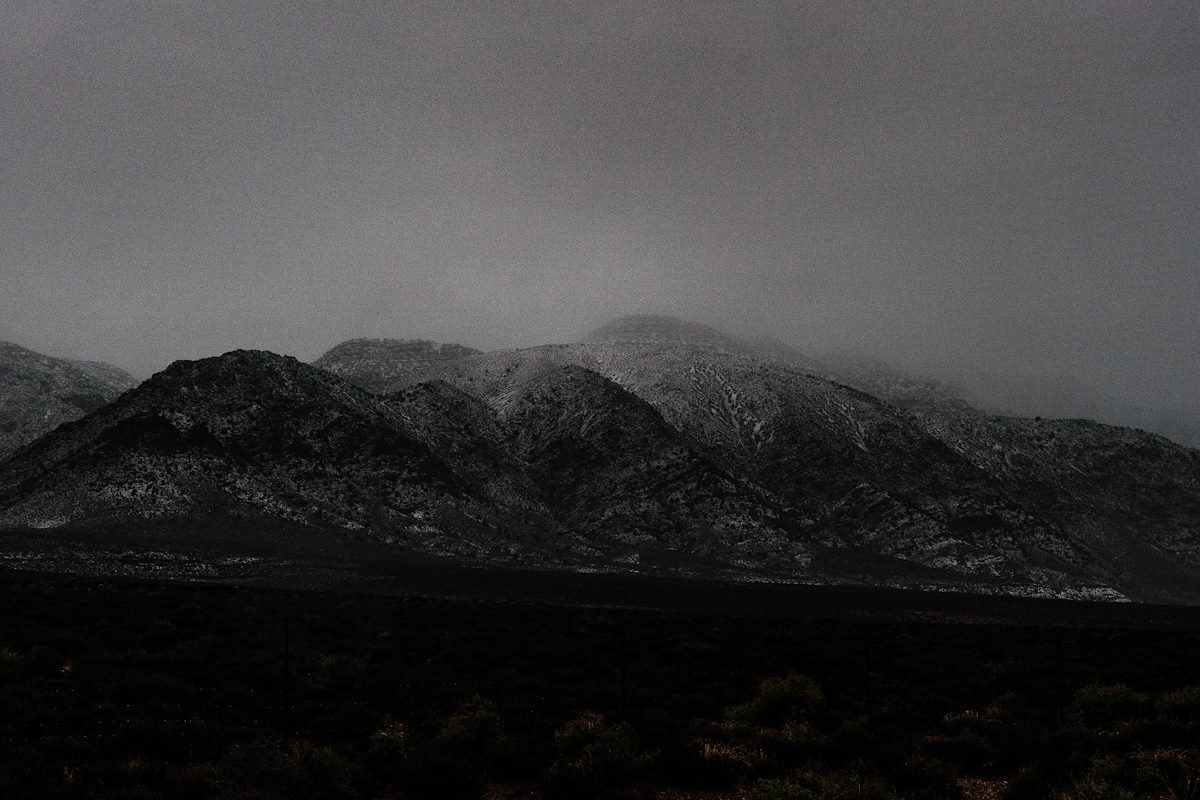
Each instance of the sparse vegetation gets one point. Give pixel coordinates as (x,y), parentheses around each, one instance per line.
(124,689)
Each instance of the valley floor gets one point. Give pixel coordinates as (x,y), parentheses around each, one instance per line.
(301,558)
(486,683)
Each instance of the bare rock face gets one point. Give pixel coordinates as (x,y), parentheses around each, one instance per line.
(38,393)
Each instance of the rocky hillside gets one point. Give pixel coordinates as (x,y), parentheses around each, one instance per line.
(1132,496)
(848,472)
(874,377)
(624,480)
(260,437)
(383,365)
(380,364)
(247,434)
(891,486)
(468,435)
(653,445)
(38,393)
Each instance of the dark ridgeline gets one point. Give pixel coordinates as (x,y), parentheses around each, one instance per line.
(654,445)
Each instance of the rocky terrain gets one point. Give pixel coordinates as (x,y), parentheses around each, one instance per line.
(266,439)
(1133,498)
(38,393)
(880,472)
(653,445)
(620,477)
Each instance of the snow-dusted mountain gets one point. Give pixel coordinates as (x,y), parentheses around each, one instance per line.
(620,477)
(653,444)
(249,432)
(1131,498)
(39,393)
(883,472)
(576,472)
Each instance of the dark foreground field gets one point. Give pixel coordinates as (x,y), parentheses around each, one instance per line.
(123,688)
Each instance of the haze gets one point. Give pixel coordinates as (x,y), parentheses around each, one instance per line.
(976,191)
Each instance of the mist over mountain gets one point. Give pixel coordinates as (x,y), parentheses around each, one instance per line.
(1177,419)
(975,195)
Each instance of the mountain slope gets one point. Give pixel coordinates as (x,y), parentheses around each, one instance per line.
(876,378)
(261,438)
(468,435)
(38,393)
(848,472)
(247,434)
(857,472)
(1133,496)
(659,330)
(623,479)
(895,485)
(654,444)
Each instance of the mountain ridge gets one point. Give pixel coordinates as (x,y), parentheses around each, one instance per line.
(652,445)
(945,503)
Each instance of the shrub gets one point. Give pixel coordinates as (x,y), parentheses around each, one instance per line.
(44,661)
(1101,703)
(728,764)
(1182,705)
(1175,772)
(1091,789)
(591,754)
(387,751)
(780,789)
(920,778)
(778,702)
(475,731)
(860,741)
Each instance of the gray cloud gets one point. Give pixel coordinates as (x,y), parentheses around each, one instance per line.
(959,188)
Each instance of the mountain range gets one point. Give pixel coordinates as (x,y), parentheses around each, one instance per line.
(653,445)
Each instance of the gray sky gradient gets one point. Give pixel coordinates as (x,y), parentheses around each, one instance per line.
(952,187)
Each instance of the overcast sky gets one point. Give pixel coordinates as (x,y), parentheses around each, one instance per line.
(945,186)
